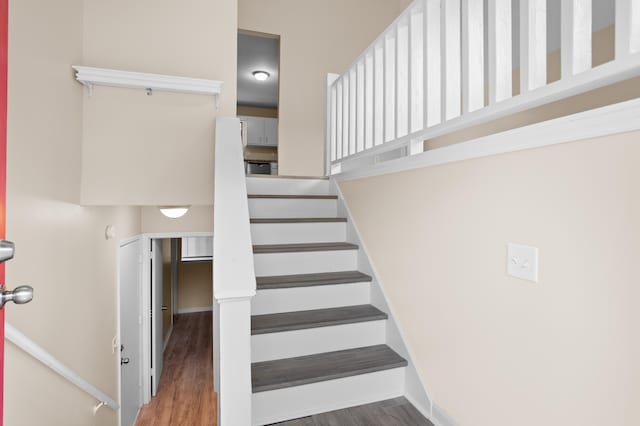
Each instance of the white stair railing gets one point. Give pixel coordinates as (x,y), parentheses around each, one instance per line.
(425,76)
(234,281)
(38,352)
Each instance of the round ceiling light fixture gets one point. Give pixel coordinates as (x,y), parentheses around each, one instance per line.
(174,212)
(261,75)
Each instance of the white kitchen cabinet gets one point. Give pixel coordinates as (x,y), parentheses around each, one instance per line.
(271,131)
(197,249)
(261,131)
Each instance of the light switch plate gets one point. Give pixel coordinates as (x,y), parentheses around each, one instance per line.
(522,262)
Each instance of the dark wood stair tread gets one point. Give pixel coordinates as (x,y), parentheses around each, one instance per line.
(397,412)
(311,280)
(299,220)
(299,320)
(302,247)
(294,196)
(297,371)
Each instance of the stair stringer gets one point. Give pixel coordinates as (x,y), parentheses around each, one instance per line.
(416,390)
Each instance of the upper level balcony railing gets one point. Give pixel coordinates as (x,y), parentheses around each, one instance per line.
(438,69)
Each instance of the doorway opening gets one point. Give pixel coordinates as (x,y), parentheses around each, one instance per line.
(165,287)
(258,94)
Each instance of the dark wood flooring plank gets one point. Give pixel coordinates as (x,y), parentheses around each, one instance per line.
(310,280)
(282,373)
(302,247)
(287,321)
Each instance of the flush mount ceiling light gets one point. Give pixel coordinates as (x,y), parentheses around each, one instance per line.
(174,212)
(261,75)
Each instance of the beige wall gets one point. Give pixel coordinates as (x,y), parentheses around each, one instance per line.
(316,38)
(499,351)
(195,285)
(61,247)
(160,145)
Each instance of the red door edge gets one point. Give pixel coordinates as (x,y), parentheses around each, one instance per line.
(4,44)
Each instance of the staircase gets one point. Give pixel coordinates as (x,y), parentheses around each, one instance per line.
(317,343)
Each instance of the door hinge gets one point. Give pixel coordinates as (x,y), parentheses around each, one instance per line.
(153,372)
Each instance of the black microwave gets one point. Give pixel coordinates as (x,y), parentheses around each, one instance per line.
(258,168)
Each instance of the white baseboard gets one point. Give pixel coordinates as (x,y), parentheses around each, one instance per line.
(416,388)
(167,338)
(441,418)
(425,411)
(196,309)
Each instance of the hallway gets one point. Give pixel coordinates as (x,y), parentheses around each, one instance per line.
(185,395)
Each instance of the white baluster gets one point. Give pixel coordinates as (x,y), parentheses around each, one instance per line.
(450,40)
(402,79)
(360,106)
(576,36)
(390,85)
(369,100)
(416,93)
(533,44)
(353,84)
(332,124)
(345,115)
(500,63)
(627,27)
(339,119)
(379,90)
(472,55)
(432,65)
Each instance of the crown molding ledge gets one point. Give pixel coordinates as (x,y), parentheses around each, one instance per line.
(89,77)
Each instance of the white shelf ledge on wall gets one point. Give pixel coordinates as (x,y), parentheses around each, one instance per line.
(90,77)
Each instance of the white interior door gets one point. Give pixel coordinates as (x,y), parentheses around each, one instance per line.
(157,337)
(130,278)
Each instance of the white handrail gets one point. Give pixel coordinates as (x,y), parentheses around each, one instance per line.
(234,279)
(409,85)
(38,352)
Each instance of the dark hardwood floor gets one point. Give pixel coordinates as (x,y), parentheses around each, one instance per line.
(185,396)
(393,412)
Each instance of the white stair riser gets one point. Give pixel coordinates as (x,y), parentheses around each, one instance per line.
(289,344)
(300,401)
(292,207)
(289,233)
(306,298)
(288,186)
(304,262)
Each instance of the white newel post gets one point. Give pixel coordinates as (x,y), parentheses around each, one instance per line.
(331,116)
(234,282)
